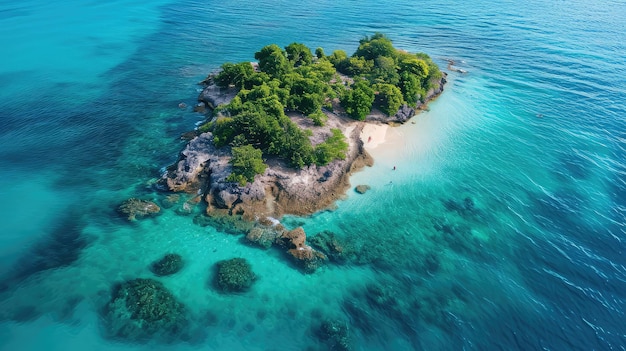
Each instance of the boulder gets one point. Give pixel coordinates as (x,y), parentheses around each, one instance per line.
(362,189)
(213,96)
(404,113)
(295,241)
(133,208)
(167,265)
(186,175)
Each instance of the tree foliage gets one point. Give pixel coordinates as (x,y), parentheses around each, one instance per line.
(358,100)
(298,54)
(247,162)
(334,147)
(272,60)
(254,122)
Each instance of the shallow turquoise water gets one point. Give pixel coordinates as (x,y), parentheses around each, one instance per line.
(534,134)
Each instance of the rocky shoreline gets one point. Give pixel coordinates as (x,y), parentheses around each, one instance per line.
(202,168)
(255,209)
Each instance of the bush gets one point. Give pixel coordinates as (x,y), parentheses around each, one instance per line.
(319,118)
(247,162)
(333,148)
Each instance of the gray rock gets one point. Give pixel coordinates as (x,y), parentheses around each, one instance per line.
(362,189)
(214,96)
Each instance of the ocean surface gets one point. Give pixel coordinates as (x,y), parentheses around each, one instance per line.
(503,226)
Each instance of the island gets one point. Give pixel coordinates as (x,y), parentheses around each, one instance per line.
(283,134)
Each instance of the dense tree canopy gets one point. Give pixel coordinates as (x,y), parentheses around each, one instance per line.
(293,79)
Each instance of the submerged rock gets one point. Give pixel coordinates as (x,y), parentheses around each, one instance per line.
(143,308)
(168,265)
(133,208)
(331,245)
(170,200)
(234,275)
(336,334)
(362,189)
(307,257)
(263,236)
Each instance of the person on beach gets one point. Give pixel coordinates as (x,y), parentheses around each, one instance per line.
(394,168)
(369,139)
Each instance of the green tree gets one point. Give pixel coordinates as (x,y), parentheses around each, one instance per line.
(319,118)
(339,59)
(272,60)
(372,48)
(298,54)
(411,64)
(306,95)
(235,74)
(411,88)
(247,162)
(319,52)
(358,101)
(389,98)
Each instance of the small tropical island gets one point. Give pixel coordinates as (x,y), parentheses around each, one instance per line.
(284,133)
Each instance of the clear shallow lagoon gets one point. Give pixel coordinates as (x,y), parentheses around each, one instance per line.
(534,134)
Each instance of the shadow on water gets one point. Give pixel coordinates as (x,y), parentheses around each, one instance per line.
(62,247)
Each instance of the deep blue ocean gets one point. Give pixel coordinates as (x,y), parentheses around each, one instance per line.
(534,134)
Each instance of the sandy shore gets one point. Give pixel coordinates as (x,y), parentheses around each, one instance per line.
(383,141)
(373,135)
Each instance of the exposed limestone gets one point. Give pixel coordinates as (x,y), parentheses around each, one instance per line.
(362,189)
(133,208)
(202,169)
(213,96)
(295,242)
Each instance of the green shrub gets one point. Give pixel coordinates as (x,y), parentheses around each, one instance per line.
(247,162)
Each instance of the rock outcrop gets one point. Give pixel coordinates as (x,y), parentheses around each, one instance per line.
(295,243)
(133,208)
(213,96)
(362,189)
(202,169)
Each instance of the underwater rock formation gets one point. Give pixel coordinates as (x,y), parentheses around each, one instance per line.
(133,208)
(167,265)
(263,236)
(336,334)
(295,242)
(234,275)
(362,189)
(141,309)
(331,245)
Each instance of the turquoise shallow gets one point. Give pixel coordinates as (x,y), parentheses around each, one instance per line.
(503,226)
